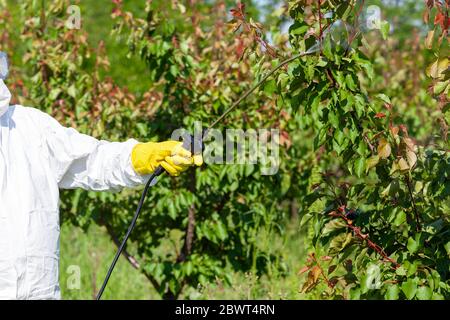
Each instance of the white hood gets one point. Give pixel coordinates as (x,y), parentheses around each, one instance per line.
(5,97)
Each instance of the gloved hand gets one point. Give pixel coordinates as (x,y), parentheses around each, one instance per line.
(146,157)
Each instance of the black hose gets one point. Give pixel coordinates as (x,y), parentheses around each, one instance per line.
(157,173)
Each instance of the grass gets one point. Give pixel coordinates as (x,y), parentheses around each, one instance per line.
(126,71)
(87,255)
(274,285)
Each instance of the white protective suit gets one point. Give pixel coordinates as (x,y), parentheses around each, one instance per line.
(37,157)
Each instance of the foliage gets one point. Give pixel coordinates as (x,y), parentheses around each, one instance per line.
(379,203)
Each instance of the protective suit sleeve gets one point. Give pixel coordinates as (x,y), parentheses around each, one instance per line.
(81,161)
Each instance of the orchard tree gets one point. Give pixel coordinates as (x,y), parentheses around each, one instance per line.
(378,212)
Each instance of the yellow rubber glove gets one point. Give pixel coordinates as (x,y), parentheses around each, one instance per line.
(146,157)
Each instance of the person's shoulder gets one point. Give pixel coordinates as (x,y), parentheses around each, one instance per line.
(19,111)
(30,118)
(24,110)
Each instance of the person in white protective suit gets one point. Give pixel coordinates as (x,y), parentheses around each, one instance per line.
(38,157)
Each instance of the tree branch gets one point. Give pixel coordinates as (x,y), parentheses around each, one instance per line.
(134,263)
(190,228)
(413,202)
(362,236)
(130,258)
(189,237)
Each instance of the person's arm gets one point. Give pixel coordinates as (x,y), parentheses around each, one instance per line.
(81,161)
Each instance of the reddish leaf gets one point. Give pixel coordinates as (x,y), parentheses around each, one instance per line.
(314,274)
(116,12)
(380,115)
(394,131)
(235,13)
(239,11)
(404,129)
(440,18)
(285,140)
(303,270)
(240,48)
(333,282)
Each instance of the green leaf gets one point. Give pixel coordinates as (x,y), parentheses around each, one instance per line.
(392,292)
(424,293)
(401,271)
(384,98)
(359,166)
(285,183)
(298,28)
(320,138)
(221,231)
(400,218)
(234,185)
(355,293)
(189,267)
(333,225)
(54,93)
(440,87)
(409,288)
(350,82)
(171,210)
(340,242)
(282,80)
(333,118)
(362,148)
(72,91)
(385,28)
(322,62)
(372,162)
(270,87)
(437,296)
(411,267)
(412,245)
(343,10)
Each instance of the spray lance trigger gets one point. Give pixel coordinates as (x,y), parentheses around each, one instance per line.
(4,67)
(192,143)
